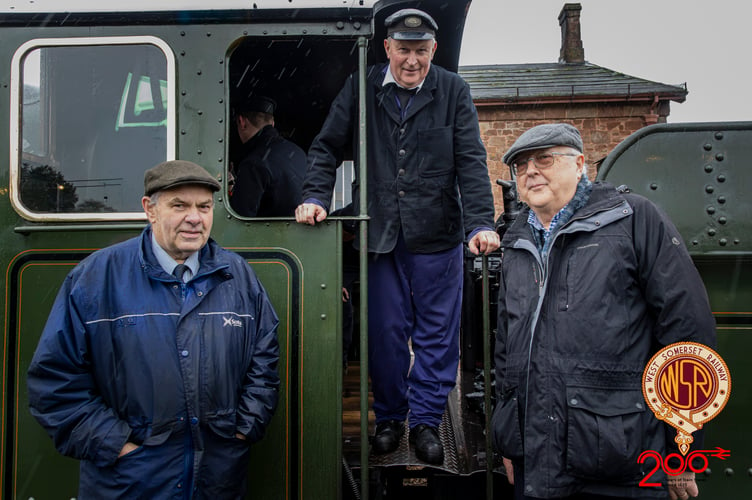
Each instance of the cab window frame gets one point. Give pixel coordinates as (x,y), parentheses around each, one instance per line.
(17,155)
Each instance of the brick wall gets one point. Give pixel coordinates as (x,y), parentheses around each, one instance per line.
(602,126)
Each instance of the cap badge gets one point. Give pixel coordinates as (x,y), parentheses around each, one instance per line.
(413,21)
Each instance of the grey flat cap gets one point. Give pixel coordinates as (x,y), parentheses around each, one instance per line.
(175,173)
(545,136)
(411,24)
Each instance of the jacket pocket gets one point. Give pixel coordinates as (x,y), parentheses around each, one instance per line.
(505,426)
(604,433)
(436,152)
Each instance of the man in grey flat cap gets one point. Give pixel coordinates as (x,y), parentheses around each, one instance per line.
(157,367)
(428,193)
(594,281)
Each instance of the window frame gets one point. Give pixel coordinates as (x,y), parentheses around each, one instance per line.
(16,125)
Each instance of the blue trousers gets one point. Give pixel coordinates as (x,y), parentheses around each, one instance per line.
(418,297)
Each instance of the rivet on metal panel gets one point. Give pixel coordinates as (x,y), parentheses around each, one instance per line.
(736,241)
(719,157)
(709,188)
(729,471)
(653,186)
(719,135)
(323,286)
(721,178)
(340,25)
(723,242)
(722,220)
(707,146)
(708,168)
(711,231)
(323,316)
(710,210)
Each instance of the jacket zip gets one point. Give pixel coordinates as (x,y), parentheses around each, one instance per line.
(542,276)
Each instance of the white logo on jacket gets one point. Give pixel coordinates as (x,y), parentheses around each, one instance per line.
(232,322)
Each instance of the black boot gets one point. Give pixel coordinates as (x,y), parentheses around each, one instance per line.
(427,444)
(388,434)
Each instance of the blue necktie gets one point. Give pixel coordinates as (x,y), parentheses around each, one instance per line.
(179,271)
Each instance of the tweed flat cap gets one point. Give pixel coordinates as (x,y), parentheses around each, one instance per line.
(411,24)
(175,173)
(545,136)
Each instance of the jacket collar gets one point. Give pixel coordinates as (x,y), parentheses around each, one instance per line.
(602,197)
(385,94)
(208,258)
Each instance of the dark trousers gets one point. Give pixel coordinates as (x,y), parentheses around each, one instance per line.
(418,297)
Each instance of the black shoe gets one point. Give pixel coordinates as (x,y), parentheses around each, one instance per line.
(427,444)
(388,434)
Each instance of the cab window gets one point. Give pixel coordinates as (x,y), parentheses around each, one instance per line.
(94,114)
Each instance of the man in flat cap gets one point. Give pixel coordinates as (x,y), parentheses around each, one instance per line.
(428,193)
(594,281)
(157,367)
(270,174)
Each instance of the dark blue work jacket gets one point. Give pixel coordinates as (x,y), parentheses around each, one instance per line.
(269,177)
(131,354)
(427,172)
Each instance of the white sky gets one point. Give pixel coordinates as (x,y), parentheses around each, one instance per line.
(704,43)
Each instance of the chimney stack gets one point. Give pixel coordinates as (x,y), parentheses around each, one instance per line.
(571,37)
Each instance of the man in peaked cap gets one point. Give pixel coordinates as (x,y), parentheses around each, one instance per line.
(594,280)
(157,367)
(269,177)
(428,193)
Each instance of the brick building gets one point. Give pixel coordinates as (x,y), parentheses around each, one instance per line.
(605,105)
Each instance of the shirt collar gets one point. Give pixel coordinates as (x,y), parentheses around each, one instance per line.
(168,263)
(389,78)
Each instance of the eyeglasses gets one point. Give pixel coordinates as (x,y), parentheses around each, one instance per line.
(541,161)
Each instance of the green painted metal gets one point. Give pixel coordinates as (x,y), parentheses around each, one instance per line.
(363,258)
(300,266)
(698,173)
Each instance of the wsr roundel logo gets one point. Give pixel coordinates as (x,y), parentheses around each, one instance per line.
(686,384)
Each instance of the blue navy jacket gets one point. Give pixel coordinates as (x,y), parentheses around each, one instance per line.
(129,353)
(427,173)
